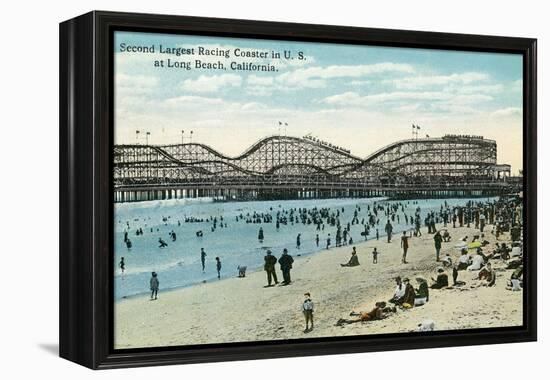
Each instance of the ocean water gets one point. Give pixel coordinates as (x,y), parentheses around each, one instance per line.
(179,264)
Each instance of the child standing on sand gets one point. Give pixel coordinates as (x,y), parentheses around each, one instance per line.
(307,308)
(375,256)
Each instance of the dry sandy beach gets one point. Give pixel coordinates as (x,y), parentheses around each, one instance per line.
(241,309)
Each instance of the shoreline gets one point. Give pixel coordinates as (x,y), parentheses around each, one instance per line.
(241,309)
(251,271)
(181,275)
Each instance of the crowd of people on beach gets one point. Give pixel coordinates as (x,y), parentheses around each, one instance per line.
(474,266)
(505,215)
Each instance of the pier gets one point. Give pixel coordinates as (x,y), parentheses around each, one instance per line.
(285,167)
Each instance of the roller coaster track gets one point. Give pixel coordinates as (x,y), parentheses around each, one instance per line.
(277,160)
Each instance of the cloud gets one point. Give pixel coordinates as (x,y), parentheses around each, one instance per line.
(192,101)
(471,89)
(315,77)
(507,112)
(416,82)
(318,77)
(255,80)
(409,103)
(351,98)
(135,84)
(212,83)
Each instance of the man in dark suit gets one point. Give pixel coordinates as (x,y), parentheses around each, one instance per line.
(285,261)
(269,267)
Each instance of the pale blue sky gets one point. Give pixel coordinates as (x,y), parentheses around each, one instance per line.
(360,97)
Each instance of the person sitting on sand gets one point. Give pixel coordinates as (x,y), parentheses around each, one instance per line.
(442,280)
(501,252)
(446,236)
(463,260)
(422,293)
(410,294)
(447,261)
(488,275)
(514,264)
(399,292)
(476,263)
(242,271)
(516,280)
(353,261)
(375,314)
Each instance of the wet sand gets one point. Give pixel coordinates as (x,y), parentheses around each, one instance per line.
(241,309)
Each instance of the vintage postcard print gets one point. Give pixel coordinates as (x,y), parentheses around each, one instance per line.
(280,190)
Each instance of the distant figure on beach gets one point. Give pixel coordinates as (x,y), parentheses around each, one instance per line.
(317,240)
(298,241)
(374,256)
(261,235)
(438,239)
(198,233)
(128,244)
(405,246)
(389,230)
(218,266)
(377,234)
(203,258)
(307,309)
(269,267)
(285,261)
(162,243)
(353,261)
(481,221)
(442,280)
(328,241)
(242,271)
(121,265)
(154,285)
(446,236)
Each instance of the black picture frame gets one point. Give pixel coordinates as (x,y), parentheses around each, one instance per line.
(86,206)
